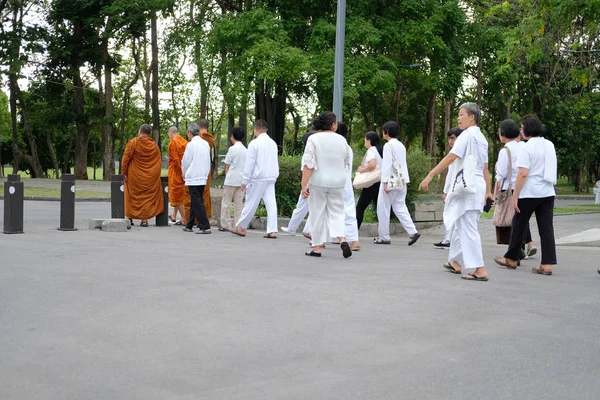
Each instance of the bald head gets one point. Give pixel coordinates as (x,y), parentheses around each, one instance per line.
(173,131)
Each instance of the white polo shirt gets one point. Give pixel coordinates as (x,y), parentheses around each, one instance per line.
(236,159)
(533,157)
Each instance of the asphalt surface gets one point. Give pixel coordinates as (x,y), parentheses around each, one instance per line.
(155,313)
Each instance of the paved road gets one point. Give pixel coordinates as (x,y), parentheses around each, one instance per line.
(156,313)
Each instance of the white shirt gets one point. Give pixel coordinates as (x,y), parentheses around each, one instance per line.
(399,152)
(262,164)
(236,159)
(533,157)
(502,164)
(328,155)
(372,153)
(196,162)
(479,147)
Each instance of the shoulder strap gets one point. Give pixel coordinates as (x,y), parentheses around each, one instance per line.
(509,176)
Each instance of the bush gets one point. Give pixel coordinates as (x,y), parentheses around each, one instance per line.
(419,164)
(288,186)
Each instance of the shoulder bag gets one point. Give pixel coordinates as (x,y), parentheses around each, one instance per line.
(464,180)
(396,180)
(505,210)
(367,179)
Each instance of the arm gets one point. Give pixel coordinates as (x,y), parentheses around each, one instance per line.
(369,167)
(186,161)
(521,177)
(306,174)
(488,184)
(445,163)
(127,155)
(249,166)
(227,161)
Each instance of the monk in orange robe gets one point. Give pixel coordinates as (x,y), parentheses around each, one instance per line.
(204,134)
(176,183)
(141,168)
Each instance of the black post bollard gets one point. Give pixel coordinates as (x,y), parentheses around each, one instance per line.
(162,219)
(13,204)
(67,203)
(117,196)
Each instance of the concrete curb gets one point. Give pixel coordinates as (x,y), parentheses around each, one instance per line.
(81,199)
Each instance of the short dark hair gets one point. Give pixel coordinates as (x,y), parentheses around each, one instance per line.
(391,128)
(203,123)
(324,121)
(509,129)
(532,126)
(261,125)
(238,133)
(146,129)
(342,129)
(454,132)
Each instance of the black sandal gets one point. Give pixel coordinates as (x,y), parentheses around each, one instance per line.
(346,251)
(312,253)
(451,269)
(474,277)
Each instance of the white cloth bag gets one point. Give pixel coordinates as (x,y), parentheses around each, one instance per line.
(464,180)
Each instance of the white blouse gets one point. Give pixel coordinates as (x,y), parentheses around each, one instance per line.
(539,157)
(371,154)
(328,155)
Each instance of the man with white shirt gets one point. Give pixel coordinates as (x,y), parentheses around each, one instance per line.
(235,160)
(388,198)
(258,180)
(196,168)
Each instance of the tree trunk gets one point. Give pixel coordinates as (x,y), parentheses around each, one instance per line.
(66,169)
(83,128)
(272,109)
(146,76)
(243,123)
(52,154)
(155,110)
(108,159)
(479,81)
(447,115)
(429,138)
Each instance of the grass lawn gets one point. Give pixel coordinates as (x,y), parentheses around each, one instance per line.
(45,192)
(90,171)
(578,209)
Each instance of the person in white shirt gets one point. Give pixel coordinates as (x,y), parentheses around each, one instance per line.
(395,199)
(534,192)
(261,171)
(372,160)
(235,160)
(462,210)
(325,166)
(452,135)
(196,167)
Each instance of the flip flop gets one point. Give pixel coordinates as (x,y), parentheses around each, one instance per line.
(473,277)
(238,233)
(312,253)
(221,229)
(307,235)
(381,241)
(498,260)
(345,249)
(204,232)
(355,248)
(186,229)
(539,270)
(269,236)
(144,224)
(451,269)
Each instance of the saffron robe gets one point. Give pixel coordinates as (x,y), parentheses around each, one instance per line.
(141,165)
(176,183)
(207,202)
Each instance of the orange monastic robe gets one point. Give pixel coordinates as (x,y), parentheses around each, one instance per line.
(211,142)
(143,189)
(176,183)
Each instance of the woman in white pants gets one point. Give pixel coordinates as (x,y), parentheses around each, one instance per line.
(462,210)
(325,164)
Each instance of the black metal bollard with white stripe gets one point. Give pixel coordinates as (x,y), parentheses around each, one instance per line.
(67,203)
(117,196)
(14,196)
(162,219)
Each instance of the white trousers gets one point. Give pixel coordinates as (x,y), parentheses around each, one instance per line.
(350,224)
(299,213)
(465,242)
(326,209)
(255,191)
(395,200)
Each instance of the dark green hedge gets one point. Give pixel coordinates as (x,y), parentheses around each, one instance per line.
(287,188)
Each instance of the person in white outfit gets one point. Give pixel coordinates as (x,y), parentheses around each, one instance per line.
(325,166)
(261,171)
(452,135)
(301,209)
(235,161)
(462,210)
(395,199)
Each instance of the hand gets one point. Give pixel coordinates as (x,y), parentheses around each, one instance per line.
(244,187)
(424,185)
(125,178)
(516,204)
(305,192)
(385,188)
(444,198)
(360,169)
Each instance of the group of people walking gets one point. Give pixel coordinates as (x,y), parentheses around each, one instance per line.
(525,174)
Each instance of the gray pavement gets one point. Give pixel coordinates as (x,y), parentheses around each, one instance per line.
(155,313)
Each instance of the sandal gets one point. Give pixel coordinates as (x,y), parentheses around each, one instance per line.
(541,271)
(171,219)
(186,229)
(270,236)
(221,229)
(345,249)
(531,251)
(381,241)
(473,277)
(144,224)
(451,269)
(307,235)
(312,253)
(204,232)
(504,262)
(237,232)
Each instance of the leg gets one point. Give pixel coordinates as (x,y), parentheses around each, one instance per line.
(228,192)
(317,203)
(195,198)
(238,204)
(201,216)
(298,215)
(544,214)
(455,255)
(181,210)
(470,241)
(351,227)
(520,221)
(367,195)
(270,201)
(335,213)
(384,202)
(401,211)
(252,200)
